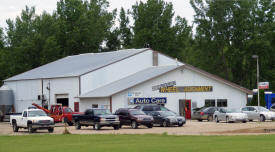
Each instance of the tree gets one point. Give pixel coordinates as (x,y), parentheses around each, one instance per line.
(82,25)
(229,33)
(153,26)
(125,33)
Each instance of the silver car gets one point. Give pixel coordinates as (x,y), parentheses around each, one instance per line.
(272,108)
(230,115)
(258,113)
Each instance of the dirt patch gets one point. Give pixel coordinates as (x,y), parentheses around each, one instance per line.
(190,128)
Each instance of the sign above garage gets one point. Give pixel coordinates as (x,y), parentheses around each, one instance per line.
(175,89)
(156,100)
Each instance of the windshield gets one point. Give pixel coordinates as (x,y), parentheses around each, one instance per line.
(263,109)
(102,112)
(167,113)
(136,112)
(36,113)
(233,111)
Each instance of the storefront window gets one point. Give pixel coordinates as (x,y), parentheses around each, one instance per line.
(209,103)
(222,102)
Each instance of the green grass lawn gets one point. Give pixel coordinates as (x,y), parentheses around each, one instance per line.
(136,143)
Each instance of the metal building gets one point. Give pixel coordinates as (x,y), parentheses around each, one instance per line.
(122,79)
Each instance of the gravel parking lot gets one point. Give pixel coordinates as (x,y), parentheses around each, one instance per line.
(190,128)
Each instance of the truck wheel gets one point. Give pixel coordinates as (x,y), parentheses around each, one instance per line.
(97,126)
(70,123)
(150,126)
(134,125)
(77,125)
(116,127)
(51,130)
(30,129)
(14,127)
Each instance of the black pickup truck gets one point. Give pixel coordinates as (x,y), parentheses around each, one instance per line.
(97,118)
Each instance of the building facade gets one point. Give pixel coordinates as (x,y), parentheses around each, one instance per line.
(123,79)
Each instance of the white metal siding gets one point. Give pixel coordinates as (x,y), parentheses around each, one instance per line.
(235,98)
(116,71)
(25,93)
(87,103)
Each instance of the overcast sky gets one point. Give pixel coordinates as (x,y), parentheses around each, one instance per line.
(13,8)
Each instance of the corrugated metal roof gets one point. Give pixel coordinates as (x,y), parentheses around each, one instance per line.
(129,81)
(76,65)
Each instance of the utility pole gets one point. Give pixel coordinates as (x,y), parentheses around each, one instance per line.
(258,75)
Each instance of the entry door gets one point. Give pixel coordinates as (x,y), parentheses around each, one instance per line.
(185,108)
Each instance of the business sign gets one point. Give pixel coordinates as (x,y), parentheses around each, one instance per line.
(163,85)
(134,94)
(175,89)
(263,85)
(156,100)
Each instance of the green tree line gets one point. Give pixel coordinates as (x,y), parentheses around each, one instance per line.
(227,34)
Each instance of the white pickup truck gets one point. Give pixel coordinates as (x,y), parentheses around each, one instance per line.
(32,119)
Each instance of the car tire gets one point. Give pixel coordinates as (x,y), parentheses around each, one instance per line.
(262,118)
(200,120)
(227,120)
(217,119)
(250,120)
(15,127)
(180,125)
(30,129)
(244,121)
(77,125)
(150,126)
(97,126)
(50,130)
(164,124)
(134,125)
(116,127)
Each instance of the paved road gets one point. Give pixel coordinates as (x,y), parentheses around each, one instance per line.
(190,128)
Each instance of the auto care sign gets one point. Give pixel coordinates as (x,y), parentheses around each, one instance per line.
(263,85)
(153,100)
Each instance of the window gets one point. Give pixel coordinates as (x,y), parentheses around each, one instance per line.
(25,114)
(245,109)
(209,103)
(222,102)
(94,105)
(148,108)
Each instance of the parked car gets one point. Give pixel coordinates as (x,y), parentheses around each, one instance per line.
(272,108)
(205,113)
(134,117)
(32,119)
(230,115)
(1,116)
(59,113)
(167,118)
(258,113)
(97,118)
(151,107)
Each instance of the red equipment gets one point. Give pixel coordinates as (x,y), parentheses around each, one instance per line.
(59,113)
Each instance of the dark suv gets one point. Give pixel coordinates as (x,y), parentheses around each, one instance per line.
(150,108)
(134,117)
